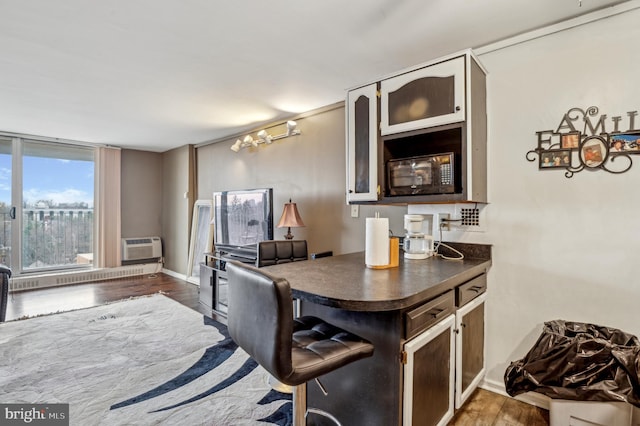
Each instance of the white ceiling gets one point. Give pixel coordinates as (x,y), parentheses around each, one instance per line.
(158,74)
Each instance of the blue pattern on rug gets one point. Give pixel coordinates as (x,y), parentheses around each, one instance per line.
(212,358)
(282,416)
(274,395)
(248,366)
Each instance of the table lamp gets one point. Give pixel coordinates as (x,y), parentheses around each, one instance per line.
(290,219)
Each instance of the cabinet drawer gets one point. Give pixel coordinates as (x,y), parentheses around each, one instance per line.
(421,318)
(468,291)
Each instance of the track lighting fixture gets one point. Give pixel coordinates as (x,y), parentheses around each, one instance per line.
(248,140)
(265,137)
(291,128)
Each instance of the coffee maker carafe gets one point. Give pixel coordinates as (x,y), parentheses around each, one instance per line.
(418,243)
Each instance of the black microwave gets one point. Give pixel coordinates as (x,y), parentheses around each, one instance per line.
(426,174)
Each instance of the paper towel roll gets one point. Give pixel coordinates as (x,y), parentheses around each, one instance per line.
(376,241)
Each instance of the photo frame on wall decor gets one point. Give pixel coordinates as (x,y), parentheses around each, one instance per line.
(593,151)
(625,142)
(555,158)
(570,140)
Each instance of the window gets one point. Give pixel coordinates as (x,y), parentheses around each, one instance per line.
(47,205)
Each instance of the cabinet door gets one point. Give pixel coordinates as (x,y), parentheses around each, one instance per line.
(221,288)
(470,355)
(362,144)
(206,286)
(429,376)
(423,98)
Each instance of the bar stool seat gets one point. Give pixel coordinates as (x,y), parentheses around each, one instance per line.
(260,320)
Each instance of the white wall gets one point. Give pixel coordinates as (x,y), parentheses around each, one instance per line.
(562,248)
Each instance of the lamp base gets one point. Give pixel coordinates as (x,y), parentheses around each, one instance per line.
(289,235)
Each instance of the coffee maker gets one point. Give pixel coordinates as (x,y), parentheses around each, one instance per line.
(418,241)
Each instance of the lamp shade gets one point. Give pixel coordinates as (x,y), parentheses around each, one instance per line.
(290,217)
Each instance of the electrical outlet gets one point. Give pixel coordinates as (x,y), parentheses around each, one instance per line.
(442,218)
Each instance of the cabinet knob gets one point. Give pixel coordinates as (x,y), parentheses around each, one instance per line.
(457,108)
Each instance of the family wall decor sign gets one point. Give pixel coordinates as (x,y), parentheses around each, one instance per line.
(582,142)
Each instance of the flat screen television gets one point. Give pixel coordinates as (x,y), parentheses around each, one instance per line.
(242,218)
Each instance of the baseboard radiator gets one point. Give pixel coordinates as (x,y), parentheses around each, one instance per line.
(31,282)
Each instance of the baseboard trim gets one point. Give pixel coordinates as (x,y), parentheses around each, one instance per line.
(531,398)
(174,274)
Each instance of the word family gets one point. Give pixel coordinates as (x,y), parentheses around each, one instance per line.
(582,141)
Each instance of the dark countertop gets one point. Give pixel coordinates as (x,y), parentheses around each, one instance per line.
(345,282)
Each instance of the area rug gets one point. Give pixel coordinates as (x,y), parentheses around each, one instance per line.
(144,361)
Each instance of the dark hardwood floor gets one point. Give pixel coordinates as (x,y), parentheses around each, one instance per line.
(483,408)
(65,298)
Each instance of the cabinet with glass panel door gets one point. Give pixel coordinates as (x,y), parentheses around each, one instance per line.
(434,108)
(362,144)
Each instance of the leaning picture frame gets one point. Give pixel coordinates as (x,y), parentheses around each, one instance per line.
(201,240)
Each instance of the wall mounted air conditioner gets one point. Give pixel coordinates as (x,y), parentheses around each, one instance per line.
(141,250)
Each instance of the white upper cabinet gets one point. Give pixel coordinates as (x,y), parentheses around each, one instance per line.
(362,144)
(433,110)
(426,97)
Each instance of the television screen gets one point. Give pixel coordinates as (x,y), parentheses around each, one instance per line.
(242,217)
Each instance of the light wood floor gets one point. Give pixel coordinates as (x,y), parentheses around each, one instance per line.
(484,408)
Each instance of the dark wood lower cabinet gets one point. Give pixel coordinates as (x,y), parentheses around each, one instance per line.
(428,376)
(445,364)
(470,327)
(427,361)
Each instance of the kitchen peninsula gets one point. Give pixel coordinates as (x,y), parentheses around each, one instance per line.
(418,316)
